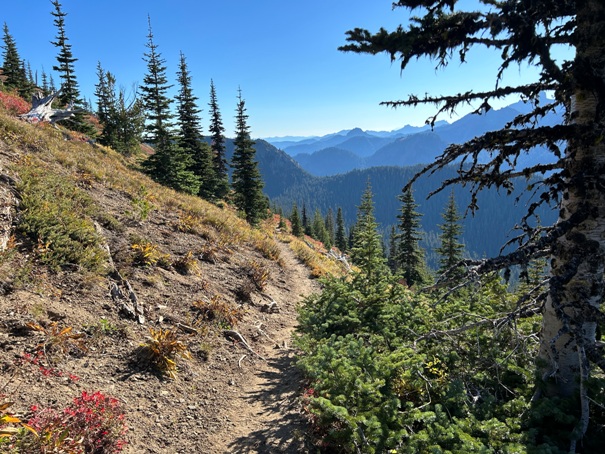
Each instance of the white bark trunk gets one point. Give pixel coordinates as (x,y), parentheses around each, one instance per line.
(578,260)
(42,110)
(577,267)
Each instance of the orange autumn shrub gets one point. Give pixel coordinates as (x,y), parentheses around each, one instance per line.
(14,104)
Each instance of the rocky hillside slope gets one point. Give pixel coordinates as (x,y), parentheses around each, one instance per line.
(100,268)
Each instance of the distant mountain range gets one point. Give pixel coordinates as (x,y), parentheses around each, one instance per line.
(332,171)
(344,151)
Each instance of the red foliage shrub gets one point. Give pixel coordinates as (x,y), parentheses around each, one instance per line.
(13,104)
(93,423)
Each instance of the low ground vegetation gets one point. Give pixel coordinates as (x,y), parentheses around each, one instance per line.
(81,220)
(391,369)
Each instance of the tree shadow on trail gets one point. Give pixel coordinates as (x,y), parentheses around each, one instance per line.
(287,431)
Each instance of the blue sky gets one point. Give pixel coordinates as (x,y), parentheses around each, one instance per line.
(282,54)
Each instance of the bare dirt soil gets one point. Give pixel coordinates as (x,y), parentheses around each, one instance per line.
(264,413)
(225,399)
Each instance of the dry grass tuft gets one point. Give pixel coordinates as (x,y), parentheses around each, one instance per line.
(219,311)
(319,264)
(162,349)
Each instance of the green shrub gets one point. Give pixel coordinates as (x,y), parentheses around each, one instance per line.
(55,215)
(390,370)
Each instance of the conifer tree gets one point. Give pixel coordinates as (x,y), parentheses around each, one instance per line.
(190,136)
(367,251)
(12,65)
(247,181)
(122,120)
(154,93)
(217,144)
(450,250)
(351,237)
(297,229)
(329,224)
(409,256)
(45,84)
(282,222)
(319,229)
(51,84)
(70,92)
(340,237)
(306,223)
(392,255)
(530,33)
(169,164)
(129,123)
(31,80)
(104,97)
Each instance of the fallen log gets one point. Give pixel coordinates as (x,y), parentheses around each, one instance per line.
(42,109)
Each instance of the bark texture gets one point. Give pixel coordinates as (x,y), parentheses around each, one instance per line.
(578,259)
(42,109)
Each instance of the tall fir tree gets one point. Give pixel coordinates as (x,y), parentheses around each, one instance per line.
(530,33)
(217,144)
(392,254)
(451,249)
(319,229)
(190,136)
(122,120)
(45,83)
(104,95)
(31,78)
(12,66)
(128,116)
(367,251)
(282,221)
(247,181)
(154,93)
(51,84)
(70,91)
(306,223)
(297,228)
(340,237)
(330,228)
(409,257)
(169,164)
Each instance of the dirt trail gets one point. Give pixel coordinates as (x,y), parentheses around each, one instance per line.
(263,415)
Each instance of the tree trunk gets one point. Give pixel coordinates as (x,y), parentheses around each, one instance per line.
(578,257)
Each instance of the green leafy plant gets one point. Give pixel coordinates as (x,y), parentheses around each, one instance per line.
(143,204)
(55,214)
(104,327)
